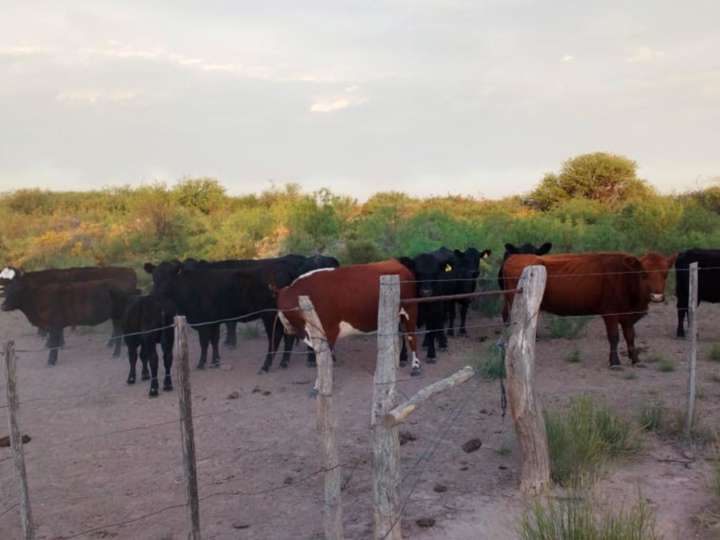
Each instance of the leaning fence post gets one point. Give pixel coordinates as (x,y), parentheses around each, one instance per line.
(16,444)
(187,432)
(326,421)
(385,440)
(520,366)
(692,352)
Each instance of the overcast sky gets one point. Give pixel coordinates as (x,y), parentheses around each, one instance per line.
(425,96)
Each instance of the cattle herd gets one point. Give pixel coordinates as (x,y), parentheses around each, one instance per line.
(616,286)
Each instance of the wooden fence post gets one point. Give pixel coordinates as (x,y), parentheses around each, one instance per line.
(520,366)
(385,440)
(326,422)
(13,402)
(187,432)
(692,352)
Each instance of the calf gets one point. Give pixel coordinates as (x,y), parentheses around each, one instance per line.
(708,280)
(346,301)
(57,305)
(145,325)
(616,286)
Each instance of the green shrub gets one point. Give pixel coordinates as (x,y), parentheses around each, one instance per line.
(574,357)
(584,437)
(575,518)
(715,353)
(492,365)
(566,327)
(665,365)
(652,416)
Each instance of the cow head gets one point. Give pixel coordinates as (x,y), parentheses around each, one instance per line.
(7,275)
(14,294)
(163,275)
(655,268)
(429,271)
(527,249)
(467,267)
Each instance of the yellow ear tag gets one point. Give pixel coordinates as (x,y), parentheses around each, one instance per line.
(448,268)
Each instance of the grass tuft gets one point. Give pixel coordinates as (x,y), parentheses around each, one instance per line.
(665,365)
(630,376)
(574,357)
(573,518)
(652,417)
(492,365)
(584,437)
(714,354)
(563,327)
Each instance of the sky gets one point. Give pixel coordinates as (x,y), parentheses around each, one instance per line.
(430,97)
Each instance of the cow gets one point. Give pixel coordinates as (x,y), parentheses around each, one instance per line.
(617,286)
(146,324)
(124,278)
(522,249)
(708,280)
(208,297)
(283,270)
(57,305)
(465,272)
(346,302)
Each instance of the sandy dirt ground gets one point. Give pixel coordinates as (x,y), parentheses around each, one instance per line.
(95,466)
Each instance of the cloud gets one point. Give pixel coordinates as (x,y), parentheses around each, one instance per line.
(645,55)
(338,103)
(94,97)
(568,58)
(20,51)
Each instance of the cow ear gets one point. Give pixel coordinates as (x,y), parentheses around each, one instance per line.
(149,267)
(509,248)
(545,248)
(458,253)
(448,267)
(407,262)
(671,260)
(485,254)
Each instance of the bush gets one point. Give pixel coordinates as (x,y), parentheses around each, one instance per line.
(652,416)
(665,365)
(574,357)
(568,328)
(582,439)
(574,518)
(715,353)
(492,366)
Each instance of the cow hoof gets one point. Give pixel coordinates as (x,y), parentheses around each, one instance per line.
(313,393)
(403,363)
(431,360)
(283,365)
(168,388)
(131,380)
(263,370)
(201,365)
(443,349)
(616,367)
(153,392)
(451,333)
(145,377)
(463,333)
(215,365)
(311,364)
(414,372)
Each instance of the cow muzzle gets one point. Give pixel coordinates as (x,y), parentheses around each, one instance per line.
(657,298)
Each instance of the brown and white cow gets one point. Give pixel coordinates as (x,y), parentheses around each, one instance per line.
(617,286)
(346,301)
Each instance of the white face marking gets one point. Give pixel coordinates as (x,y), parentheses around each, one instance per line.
(310,273)
(7,273)
(657,297)
(347,329)
(286,324)
(415,361)
(404,313)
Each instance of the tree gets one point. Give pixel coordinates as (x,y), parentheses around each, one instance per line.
(203,194)
(609,179)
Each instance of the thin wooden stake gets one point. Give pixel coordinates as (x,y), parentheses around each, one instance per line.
(187,432)
(692,352)
(16,444)
(520,366)
(385,440)
(326,422)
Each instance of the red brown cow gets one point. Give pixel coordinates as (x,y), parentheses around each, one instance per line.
(346,301)
(617,286)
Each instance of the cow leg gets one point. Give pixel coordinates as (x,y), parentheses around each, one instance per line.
(681,312)
(451,319)
(204,336)
(153,372)
(274,333)
(613,336)
(288,342)
(231,336)
(144,355)
(132,359)
(215,342)
(431,346)
(54,344)
(628,329)
(167,350)
(62,338)
(403,347)
(442,337)
(117,332)
(463,317)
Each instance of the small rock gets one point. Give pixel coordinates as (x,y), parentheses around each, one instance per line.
(425,523)
(233,395)
(288,480)
(239,525)
(227,367)
(464,468)
(472,445)
(440,488)
(266,393)
(502,467)
(256,390)
(406,437)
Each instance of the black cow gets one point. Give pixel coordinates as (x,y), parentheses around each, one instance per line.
(708,280)
(465,271)
(283,270)
(523,249)
(208,296)
(145,325)
(57,305)
(431,271)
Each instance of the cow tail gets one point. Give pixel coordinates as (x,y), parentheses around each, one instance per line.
(275,320)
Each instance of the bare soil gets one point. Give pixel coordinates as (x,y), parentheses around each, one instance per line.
(95,466)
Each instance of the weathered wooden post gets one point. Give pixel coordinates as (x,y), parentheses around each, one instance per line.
(385,439)
(520,366)
(187,432)
(13,402)
(692,351)
(326,421)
